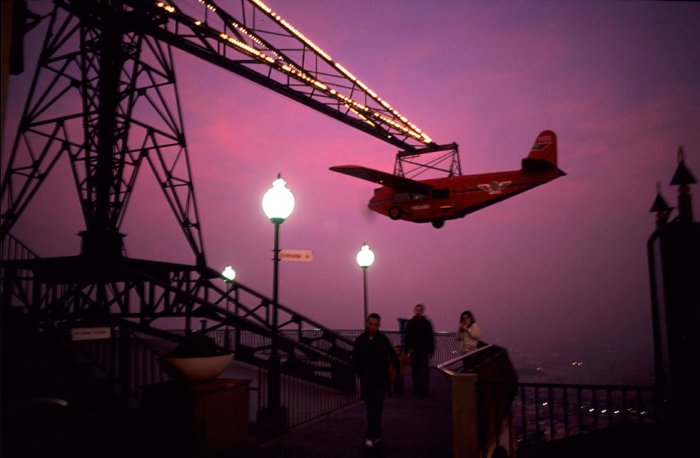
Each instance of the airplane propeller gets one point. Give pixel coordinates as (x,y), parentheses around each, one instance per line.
(368,215)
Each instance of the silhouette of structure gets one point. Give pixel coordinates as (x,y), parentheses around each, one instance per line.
(104,97)
(674,270)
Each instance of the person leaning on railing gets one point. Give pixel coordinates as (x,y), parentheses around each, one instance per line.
(468,333)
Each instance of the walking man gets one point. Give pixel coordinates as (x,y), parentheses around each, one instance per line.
(420,343)
(372,356)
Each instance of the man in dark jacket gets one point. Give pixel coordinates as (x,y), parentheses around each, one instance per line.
(371,357)
(420,343)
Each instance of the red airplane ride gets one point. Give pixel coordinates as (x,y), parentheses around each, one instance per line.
(439,199)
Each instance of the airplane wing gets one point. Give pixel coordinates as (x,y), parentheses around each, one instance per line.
(383,178)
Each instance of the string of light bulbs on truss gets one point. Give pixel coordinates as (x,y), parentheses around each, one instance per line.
(272,58)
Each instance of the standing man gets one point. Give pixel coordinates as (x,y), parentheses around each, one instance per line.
(420,343)
(372,356)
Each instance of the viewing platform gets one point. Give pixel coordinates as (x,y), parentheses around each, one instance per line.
(600,420)
(413,427)
(417,427)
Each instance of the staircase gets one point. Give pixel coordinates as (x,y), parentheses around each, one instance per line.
(140,297)
(54,401)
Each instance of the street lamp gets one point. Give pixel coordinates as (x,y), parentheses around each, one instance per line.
(278,203)
(365,258)
(229,274)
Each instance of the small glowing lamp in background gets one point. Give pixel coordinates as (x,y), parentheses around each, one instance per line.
(228,273)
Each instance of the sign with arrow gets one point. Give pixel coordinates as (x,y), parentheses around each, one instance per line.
(296,255)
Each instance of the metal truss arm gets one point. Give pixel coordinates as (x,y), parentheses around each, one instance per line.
(258,44)
(107,98)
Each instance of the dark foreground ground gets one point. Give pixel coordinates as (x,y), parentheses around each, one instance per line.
(413,428)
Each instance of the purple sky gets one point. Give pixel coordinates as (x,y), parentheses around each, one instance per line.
(561,265)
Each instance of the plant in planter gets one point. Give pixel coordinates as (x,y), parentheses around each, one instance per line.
(197,359)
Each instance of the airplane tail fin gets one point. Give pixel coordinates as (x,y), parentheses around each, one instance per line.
(543,154)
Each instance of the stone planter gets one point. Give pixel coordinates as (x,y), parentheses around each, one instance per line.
(197,368)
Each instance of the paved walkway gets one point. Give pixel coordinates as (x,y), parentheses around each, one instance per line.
(413,428)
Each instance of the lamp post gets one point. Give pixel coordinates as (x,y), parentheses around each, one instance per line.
(229,274)
(278,203)
(365,258)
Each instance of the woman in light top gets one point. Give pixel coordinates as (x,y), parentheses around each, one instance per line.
(468,333)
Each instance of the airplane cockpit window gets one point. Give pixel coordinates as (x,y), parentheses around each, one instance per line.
(441,193)
(402,197)
(409,197)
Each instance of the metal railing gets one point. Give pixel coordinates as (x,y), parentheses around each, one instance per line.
(129,372)
(540,413)
(305,401)
(12,248)
(543,412)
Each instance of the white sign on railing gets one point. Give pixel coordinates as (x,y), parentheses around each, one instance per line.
(96,333)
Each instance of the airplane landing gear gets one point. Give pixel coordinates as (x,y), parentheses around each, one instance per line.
(395,212)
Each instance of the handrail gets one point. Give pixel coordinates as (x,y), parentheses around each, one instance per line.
(13,248)
(443,367)
(546,412)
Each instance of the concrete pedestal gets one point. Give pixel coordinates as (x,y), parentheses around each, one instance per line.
(205,419)
(465,422)
(482,396)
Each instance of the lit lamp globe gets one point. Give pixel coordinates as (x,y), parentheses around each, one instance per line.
(365,257)
(278,201)
(229,274)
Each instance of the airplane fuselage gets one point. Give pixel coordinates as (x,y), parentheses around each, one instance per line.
(455,197)
(440,199)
